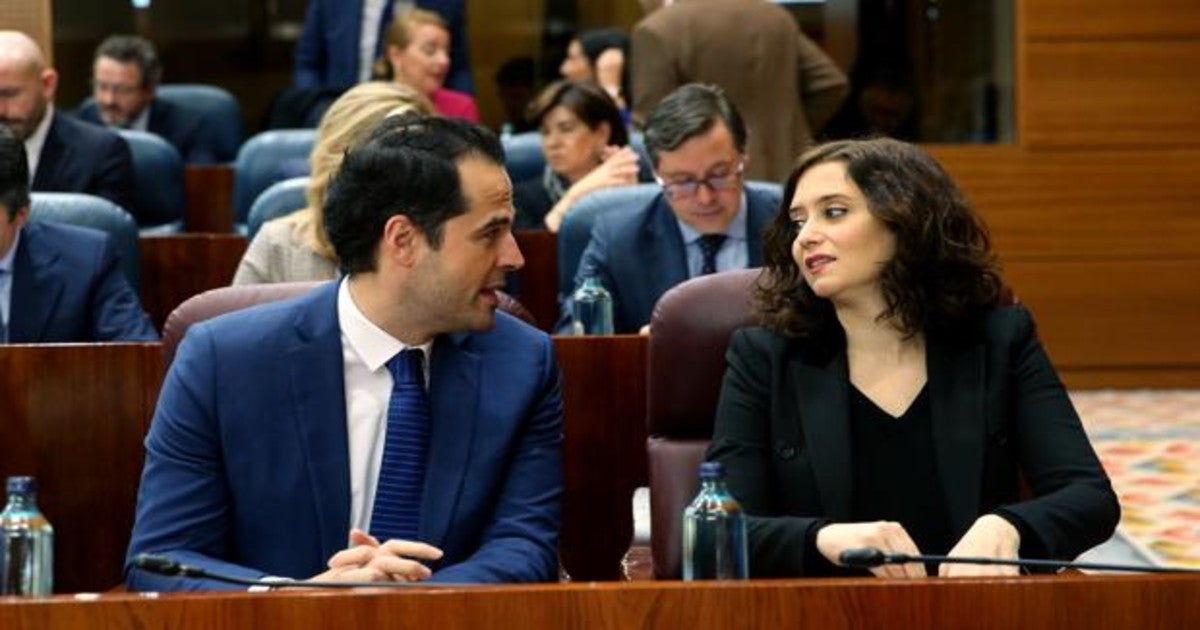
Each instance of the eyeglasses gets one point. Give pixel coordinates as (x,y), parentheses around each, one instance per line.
(119,90)
(689,188)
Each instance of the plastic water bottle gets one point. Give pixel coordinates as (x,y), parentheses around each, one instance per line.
(591,308)
(714,531)
(27,545)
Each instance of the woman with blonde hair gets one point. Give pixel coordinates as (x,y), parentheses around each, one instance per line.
(295,247)
(417,53)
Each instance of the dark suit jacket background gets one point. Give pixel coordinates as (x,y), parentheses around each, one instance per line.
(67,286)
(327,52)
(81,157)
(167,121)
(638,254)
(783,432)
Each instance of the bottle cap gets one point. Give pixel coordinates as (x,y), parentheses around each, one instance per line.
(712,470)
(21,484)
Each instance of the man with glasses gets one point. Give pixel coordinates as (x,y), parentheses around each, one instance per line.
(125,74)
(64,153)
(703,221)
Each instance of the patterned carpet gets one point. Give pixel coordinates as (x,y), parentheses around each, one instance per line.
(1149,442)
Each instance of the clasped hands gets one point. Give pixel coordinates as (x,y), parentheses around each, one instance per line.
(990,537)
(368,560)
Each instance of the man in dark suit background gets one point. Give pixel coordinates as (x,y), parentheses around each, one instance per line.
(65,154)
(126,72)
(268,451)
(703,221)
(58,283)
(341,39)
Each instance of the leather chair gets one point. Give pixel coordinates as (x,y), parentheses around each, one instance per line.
(158,181)
(695,320)
(96,213)
(258,165)
(280,199)
(228,299)
(219,111)
(523,157)
(576,229)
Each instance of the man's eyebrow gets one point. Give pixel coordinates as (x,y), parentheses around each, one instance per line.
(499,220)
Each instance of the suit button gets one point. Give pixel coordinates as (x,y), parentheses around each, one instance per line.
(785,450)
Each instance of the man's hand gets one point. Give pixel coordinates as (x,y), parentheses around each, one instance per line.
(367,560)
(886,536)
(990,537)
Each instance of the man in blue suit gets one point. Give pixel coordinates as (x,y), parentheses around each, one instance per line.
(58,283)
(274,430)
(341,39)
(64,153)
(125,75)
(704,220)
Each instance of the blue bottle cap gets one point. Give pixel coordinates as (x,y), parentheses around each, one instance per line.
(21,484)
(711,470)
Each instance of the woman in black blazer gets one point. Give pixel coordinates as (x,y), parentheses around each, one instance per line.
(887,401)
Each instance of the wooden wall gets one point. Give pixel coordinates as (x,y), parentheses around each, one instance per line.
(1096,209)
(32,17)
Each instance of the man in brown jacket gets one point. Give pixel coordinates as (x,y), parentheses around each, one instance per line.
(782,82)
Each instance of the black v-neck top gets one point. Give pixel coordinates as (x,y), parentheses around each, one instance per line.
(895,472)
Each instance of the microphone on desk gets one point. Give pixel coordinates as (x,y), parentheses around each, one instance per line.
(868,557)
(162,565)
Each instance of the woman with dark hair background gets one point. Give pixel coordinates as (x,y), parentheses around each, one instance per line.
(586,148)
(893,398)
(602,56)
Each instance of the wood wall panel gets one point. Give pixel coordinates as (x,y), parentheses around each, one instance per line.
(1111,19)
(32,17)
(176,267)
(1082,204)
(1110,94)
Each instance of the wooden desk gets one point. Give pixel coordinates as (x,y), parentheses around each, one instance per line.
(537,282)
(178,266)
(1061,603)
(209,191)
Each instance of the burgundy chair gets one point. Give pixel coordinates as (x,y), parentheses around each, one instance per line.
(227,299)
(689,332)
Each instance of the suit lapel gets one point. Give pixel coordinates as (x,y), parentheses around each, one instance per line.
(956,400)
(454,410)
(666,256)
(37,287)
(759,213)
(825,419)
(318,391)
(55,152)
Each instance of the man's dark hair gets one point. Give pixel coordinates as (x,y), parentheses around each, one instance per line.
(133,49)
(690,111)
(407,165)
(14,173)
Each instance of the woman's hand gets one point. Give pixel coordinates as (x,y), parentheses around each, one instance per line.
(990,537)
(886,536)
(618,168)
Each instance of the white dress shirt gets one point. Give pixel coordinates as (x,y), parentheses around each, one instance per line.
(35,142)
(366,349)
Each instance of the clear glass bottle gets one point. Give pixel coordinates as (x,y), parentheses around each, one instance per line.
(26,542)
(714,531)
(592,308)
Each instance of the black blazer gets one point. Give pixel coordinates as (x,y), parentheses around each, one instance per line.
(783,433)
(85,158)
(184,131)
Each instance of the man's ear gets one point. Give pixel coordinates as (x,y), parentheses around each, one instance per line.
(49,84)
(402,241)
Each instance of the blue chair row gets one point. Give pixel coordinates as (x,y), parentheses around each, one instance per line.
(263,160)
(97,213)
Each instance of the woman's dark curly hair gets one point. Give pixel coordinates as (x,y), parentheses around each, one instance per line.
(943,270)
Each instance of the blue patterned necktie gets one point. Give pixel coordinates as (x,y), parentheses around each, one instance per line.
(396,513)
(710,244)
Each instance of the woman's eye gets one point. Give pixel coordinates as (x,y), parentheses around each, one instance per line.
(835,211)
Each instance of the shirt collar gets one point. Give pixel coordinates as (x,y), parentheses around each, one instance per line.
(6,261)
(370,342)
(142,122)
(735,229)
(36,140)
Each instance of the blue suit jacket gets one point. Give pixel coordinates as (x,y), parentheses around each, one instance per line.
(167,121)
(68,287)
(247,469)
(85,158)
(638,254)
(327,53)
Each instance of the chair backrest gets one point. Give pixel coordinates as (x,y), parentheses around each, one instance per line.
(695,320)
(217,108)
(576,229)
(158,179)
(258,164)
(97,213)
(281,198)
(228,299)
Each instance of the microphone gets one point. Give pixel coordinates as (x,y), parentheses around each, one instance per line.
(162,565)
(868,557)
